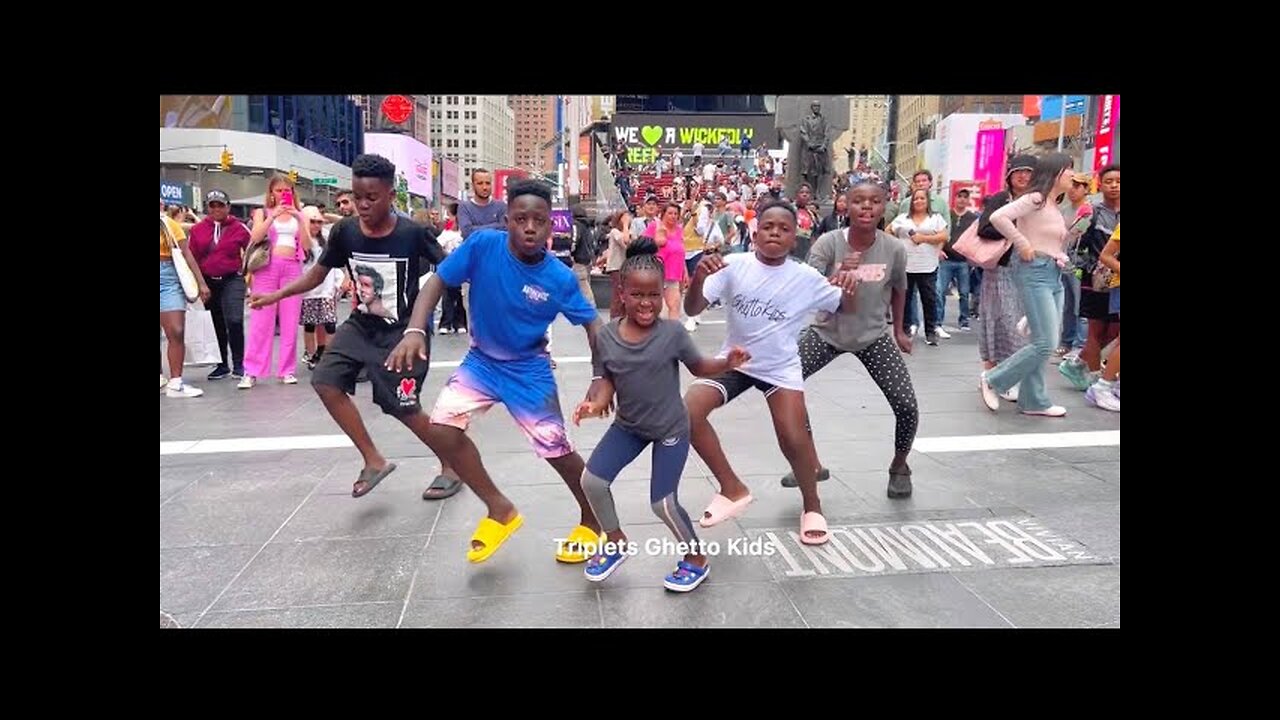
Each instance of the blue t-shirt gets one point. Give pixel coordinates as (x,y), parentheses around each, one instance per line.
(513,303)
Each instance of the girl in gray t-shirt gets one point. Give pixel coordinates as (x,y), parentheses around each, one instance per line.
(638,356)
(880,263)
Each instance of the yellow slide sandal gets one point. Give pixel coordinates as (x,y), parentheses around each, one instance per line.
(572,551)
(491,534)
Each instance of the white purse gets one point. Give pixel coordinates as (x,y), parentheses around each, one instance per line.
(190,288)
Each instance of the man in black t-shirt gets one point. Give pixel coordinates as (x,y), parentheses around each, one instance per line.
(386,255)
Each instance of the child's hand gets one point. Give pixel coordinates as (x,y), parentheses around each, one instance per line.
(737,357)
(586,408)
(710,264)
(846,280)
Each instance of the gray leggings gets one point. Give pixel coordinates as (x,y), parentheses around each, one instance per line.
(616,450)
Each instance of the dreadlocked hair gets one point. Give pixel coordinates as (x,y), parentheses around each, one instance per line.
(642,254)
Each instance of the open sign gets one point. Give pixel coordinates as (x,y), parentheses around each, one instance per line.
(172,193)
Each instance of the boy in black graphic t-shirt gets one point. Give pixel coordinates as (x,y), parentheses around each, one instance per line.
(385,255)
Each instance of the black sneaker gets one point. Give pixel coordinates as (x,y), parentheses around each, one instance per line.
(237,373)
(219,372)
(931,340)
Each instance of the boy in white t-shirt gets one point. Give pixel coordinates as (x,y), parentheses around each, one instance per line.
(769,299)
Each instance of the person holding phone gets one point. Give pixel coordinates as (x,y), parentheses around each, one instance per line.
(281,223)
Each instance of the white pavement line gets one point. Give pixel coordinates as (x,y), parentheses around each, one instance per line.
(567,360)
(418,565)
(1024,441)
(255,444)
(958,443)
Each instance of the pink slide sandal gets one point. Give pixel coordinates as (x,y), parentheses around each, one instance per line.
(813,522)
(722,508)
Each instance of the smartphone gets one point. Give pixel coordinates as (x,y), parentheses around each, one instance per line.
(287,198)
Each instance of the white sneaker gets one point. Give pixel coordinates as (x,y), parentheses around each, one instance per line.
(942,333)
(289,380)
(691,325)
(246,382)
(989,396)
(915,330)
(164,382)
(1053,411)
(181,390)
(1102,394)
(1012,395)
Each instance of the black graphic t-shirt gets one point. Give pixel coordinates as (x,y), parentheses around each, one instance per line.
(385,270)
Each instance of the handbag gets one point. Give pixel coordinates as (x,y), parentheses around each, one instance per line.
(256,257)
(982,252)
(187,278)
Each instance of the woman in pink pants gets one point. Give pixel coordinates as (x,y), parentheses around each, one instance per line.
(283,225)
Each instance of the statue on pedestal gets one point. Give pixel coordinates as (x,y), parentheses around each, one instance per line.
(815,155)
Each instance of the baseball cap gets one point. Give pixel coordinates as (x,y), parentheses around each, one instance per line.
(217,196)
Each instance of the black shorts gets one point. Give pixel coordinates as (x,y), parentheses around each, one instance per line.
(363,343)
(1096,305)
(733,383)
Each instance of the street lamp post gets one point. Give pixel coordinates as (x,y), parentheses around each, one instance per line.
(1062,122)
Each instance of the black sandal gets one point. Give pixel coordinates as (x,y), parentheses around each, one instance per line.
(789,480)
(370,478)
(899,483)
(442,487)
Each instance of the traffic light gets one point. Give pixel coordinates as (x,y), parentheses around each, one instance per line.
(226,160)
(293,177)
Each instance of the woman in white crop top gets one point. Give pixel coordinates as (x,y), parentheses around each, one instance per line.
(281,223)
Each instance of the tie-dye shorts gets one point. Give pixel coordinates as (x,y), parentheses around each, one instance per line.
(526,387)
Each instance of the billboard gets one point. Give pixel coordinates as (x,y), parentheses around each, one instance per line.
(989,158)
(212,112)
(449,175)
(958,135)
(391,113)
(562,221)
(411,158)
(643,133)
(500,180)
(1051,106)
(584,166)
(1106,137)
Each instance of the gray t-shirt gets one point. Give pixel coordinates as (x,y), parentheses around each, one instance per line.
(883,267)
(646,378)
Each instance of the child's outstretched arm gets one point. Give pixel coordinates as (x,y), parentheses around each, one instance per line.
(711,367)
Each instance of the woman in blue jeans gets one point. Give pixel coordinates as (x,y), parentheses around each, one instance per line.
(1038,233)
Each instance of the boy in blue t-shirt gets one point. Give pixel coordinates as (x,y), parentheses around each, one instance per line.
(517,289)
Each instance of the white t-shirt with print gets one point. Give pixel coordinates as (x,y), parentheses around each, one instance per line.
(768,307)
(921,257)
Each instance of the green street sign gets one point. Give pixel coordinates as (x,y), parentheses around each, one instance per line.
(325,181)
